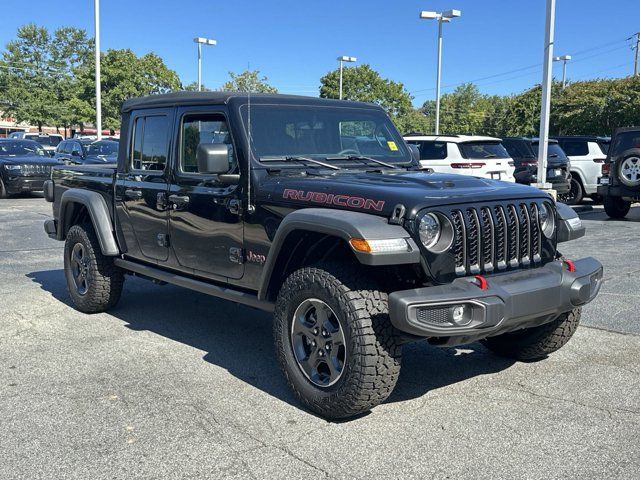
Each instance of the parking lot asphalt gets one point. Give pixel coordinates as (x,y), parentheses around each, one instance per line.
(175,384)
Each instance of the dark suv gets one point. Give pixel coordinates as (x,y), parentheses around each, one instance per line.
(24,166)
(524,152)
(84,151)
(620,184)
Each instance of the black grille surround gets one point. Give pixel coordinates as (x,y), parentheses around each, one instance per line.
(490,238)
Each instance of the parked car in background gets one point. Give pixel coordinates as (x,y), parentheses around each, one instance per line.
(587,155)
(84,151)
(24,166)
(524,152)
(464,154)
(620,184)
(48,141)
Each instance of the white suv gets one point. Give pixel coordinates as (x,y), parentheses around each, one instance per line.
(464,154)
(587,155)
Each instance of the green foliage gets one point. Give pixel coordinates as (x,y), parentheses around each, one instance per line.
(364,84)
(248,81)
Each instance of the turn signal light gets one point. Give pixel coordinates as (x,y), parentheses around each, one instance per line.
(379,246)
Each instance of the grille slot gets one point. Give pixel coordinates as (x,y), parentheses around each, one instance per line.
(495,237)
(31,169)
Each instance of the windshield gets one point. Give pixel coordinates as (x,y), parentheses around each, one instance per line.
(479,150)
(553,151)
(624,141)
(102,148)
(19,148)
(311,131)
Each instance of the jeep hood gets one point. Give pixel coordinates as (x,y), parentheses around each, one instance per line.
(379,193)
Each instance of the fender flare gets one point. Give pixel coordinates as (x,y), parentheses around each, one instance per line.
(99,214)
(344,225)
(570,225)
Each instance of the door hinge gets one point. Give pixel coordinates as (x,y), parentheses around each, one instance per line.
(236,255)
(163,239)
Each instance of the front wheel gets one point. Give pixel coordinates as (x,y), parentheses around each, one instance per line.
(616,207)
(536,342)
(334,341)
(93,281)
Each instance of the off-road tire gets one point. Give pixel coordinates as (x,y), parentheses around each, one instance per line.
(373,354)
(536,342)
(616,207)
(104,279)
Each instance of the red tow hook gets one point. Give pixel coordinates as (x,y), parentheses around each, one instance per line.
(482,282)
(570,265)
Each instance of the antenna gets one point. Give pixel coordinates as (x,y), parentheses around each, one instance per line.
(250,207)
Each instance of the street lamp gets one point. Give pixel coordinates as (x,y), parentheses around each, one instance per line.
(564,59)
(202,41)
(96,6)
(342,59)
(443,17)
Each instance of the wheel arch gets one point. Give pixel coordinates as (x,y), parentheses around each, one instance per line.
(78,205)
(309,235)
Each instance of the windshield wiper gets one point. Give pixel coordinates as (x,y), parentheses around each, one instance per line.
(294,158)
(363,158)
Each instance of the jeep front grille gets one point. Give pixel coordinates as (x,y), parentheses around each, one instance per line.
(35,170)
(494,238)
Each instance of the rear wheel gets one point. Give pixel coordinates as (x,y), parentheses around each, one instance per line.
(334,341)
(616,207)
(536,342)
(93,281)
(575,193)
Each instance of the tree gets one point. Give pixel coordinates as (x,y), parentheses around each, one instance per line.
(364,84)
(125,75)
(248,81)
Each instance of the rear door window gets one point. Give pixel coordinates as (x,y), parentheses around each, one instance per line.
(432,150)
(150,143)
(625,141)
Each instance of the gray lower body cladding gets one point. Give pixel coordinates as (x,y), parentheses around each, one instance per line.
(462,312)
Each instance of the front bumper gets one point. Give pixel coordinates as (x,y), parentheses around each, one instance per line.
(559,182)
(509,302)
(20,184)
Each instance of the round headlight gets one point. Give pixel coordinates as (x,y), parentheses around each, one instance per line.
(429,230)
(547,220)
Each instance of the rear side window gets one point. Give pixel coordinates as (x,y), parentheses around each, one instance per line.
(60,147)
(480,150)
(604,146)
(553,151)
(150,143)
(432,150)
(575,147)
(518,149)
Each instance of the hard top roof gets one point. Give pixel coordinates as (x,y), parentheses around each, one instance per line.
(593,138)
(530,139)
(221,98)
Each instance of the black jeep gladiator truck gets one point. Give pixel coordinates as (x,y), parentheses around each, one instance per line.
(620,184)
(316,210)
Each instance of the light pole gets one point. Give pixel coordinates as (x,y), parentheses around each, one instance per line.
(202,41)
(96,7)
(564,59)
(342,59)
(443,17)
(543,145)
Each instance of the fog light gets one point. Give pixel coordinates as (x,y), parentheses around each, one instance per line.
(459,315)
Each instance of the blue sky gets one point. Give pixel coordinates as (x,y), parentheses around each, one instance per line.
(295,42)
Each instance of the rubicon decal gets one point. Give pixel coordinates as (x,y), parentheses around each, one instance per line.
(333,199)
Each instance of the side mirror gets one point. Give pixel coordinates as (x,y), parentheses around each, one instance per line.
(213,158)
(415,151)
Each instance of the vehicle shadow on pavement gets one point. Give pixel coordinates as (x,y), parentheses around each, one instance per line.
(239,338)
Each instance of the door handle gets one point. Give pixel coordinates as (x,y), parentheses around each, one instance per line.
(178,201)
(133,194)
